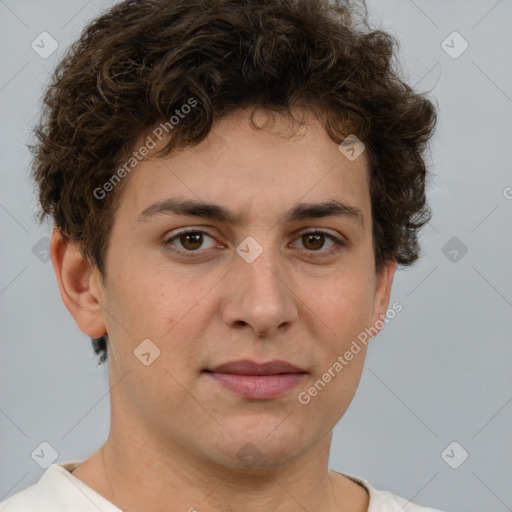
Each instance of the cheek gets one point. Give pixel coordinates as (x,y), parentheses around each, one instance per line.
(345,305)
(329,393)
(146,302)
(346,308)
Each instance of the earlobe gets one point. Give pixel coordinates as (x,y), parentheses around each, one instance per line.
(383,293)
(79,285)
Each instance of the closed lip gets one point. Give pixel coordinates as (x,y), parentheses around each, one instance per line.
(249,367)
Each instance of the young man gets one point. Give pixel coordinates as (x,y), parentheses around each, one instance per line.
(232,185)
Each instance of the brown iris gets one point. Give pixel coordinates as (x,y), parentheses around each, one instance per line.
(191,241)
(316,239)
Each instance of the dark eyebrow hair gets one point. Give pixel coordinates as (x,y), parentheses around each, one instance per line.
(205,210)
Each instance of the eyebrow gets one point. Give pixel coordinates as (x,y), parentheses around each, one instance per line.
(194,208)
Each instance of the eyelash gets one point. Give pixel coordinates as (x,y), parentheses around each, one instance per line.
(339,245)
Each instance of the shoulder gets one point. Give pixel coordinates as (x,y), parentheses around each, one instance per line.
(385,501)
(389,502)
(34,497)
(57,490)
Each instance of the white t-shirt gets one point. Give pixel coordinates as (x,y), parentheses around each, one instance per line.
(59,491)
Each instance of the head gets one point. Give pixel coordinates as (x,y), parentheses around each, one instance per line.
(228,120)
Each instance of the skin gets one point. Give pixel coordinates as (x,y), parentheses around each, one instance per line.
(175,433)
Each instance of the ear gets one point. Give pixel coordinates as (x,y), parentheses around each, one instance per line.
(80,285)
(382,293)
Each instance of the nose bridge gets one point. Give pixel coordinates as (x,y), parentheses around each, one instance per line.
(261,297)
(262,276)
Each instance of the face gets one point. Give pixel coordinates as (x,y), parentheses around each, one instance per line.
(280,269)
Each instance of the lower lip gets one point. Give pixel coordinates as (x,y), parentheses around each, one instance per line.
(259,387)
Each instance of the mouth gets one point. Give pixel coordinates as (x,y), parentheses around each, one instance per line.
(257,381)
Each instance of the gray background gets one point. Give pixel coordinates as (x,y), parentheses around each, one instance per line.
(438,373)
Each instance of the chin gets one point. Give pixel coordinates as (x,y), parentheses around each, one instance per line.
(251,458)
(260,447)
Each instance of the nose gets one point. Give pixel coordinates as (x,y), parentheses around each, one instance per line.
(259,295)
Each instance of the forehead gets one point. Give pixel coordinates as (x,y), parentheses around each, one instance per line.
(257,171)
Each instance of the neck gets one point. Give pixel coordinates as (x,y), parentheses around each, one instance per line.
(142,476)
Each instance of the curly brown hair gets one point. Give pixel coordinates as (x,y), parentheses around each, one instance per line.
(140,62)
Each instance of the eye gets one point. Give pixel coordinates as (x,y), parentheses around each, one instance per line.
(314,241)
(190,241)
